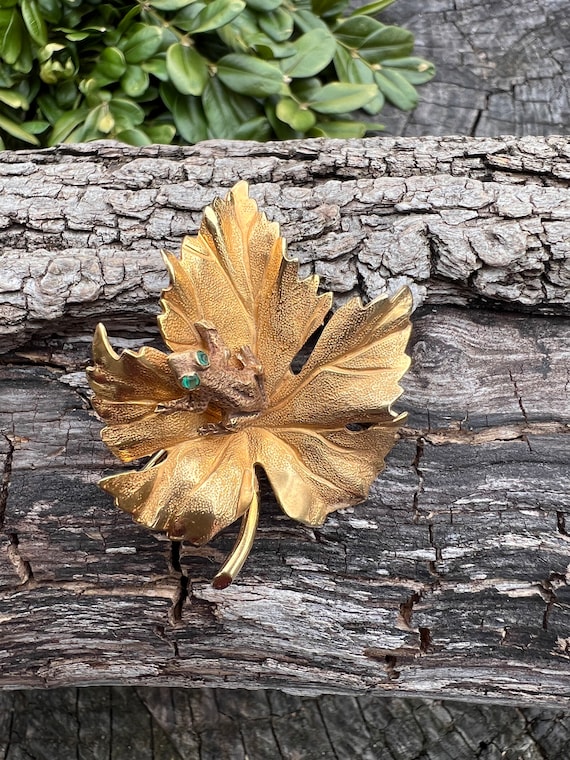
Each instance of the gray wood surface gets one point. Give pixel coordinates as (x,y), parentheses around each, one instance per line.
(502,68)
(451,580)
(150,723)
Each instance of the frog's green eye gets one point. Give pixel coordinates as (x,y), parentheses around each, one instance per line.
(202,358)
(190,382)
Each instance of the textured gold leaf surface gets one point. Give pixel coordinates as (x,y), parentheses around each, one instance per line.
(234,279)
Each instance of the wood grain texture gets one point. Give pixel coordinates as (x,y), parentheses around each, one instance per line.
(208,724)
(452,579)
(501,69)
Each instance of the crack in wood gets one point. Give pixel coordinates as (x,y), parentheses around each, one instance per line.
(172,643)
(175,612)
(420,445)
(390,664)
(21,566)
(489,434)
(406,610)
(432,564)
(518,396)
(550,584)
(5,480)
(425,639)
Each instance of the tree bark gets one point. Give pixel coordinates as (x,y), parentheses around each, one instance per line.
(452,579)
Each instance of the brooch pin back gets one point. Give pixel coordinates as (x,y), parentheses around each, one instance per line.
(225,398)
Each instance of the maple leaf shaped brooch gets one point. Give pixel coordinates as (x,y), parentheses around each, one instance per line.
(227,399)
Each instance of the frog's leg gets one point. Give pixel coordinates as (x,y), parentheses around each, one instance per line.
(249,360)
(228,423)
(196,402)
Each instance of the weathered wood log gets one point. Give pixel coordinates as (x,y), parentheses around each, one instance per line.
(499,70)
(153,723)
(452,579)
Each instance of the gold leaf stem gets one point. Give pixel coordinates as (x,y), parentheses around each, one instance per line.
(242,547)
(155,458)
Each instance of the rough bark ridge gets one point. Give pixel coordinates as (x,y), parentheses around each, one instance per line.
(452,580)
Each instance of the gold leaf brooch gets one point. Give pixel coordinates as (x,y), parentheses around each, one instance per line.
(227,399)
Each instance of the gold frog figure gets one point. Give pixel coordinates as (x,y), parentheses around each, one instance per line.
(231,381)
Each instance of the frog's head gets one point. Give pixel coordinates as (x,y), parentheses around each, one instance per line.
(189,368)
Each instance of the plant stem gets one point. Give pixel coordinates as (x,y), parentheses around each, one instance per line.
(242,547)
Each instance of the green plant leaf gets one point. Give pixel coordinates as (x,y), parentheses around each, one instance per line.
(314,52)
(268,49)
(375,105)
(11,37)
(126,22)
(372,8)
(160,133)
(342,59)
(134,137)
(355,30)
(217,13)
(225,109)
(250,76)
(98,120)
(339,97)
(282,131)
(169,5)
(277,24)
(49,108)
(105,120)
(14,129)
(414,70)
(25,61)
(189,118)
(298,117)
(51,11)
(185,19)
(7,79)
(34,21)
(305,20)
(66,95)
(224,68)
(156,67)
(76,36)
(352,70)
(35,127)
(263,6)
(304,89)
(388,42)
(142,44)
(135,81)
(126,113)
(254,129)
(111,64)
(168,94)
(14,99)
(187,69)
(328,7)
(396,89)
(339,129)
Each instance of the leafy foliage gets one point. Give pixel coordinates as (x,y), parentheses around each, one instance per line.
(188,70)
